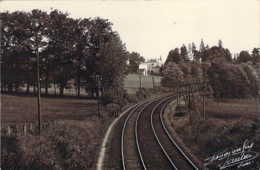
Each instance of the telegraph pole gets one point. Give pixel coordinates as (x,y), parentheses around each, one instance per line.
(98,85)
(37,24)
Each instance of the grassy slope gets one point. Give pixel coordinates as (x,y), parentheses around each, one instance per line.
(228,124)
(71,144)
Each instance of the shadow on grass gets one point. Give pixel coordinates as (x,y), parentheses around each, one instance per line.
(24,94)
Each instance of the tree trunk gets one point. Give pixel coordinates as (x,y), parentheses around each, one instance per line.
(92,92)
(10,87)
(61,90)
(16,86)
(46,83)
(34,88)
(2,81)
(28,88)
(78,84)
(55,89)
(97,92)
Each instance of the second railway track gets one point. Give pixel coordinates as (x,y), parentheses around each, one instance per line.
(145,141)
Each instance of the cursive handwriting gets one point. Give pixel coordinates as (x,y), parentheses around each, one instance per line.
(239,156)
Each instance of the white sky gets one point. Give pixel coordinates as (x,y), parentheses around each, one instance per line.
(153,28)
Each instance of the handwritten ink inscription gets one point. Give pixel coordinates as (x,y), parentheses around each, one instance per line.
(238,157)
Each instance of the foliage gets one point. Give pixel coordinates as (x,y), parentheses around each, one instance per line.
(171,75)
(244,57)
(68,146)
(240,79)
(174,56)
(69,49)
(135,59)
(229,80)
(216,54)
(184,53)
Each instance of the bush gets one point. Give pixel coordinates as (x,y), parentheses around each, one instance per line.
(233,81)
(65,147)
(118,96)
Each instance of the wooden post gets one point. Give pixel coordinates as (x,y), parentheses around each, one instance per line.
(31,128)
(9,130)
(25,129)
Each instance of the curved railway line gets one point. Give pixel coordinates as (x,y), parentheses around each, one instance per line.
(145,143)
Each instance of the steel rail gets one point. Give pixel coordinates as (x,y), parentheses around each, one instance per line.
(123,133)
(137,106)
(156,136)
(136,132)
(173,142)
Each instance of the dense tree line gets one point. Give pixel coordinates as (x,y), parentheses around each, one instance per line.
(70,50)
(237,76)
(134,60)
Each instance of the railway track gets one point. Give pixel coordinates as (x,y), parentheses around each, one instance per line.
(146,142)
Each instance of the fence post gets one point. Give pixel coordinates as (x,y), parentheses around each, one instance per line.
(25,129)
(31,127)
(9,130)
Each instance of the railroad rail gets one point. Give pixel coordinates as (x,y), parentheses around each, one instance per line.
(149,145)
(144,140)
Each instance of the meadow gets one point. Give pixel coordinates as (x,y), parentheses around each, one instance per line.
(132,82)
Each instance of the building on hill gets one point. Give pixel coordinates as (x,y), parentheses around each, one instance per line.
(151,66)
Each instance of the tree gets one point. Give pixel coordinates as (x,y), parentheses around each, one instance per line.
(243,57)
(202,46)
(220,44)
(61,42)
(256,55)
(233,80)
(80,50)
(216,54)
(172,75)
(174,56)
(195,52)
(18,49)
(135,59)
(184,53)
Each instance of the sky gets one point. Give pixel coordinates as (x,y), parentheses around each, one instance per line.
(154,27)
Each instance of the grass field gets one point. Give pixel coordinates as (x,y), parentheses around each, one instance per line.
(132,82)
(71,144)
(24,108)
(17,108)
(229,122)
(233,109)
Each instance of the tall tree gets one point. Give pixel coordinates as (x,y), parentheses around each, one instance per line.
(135,59)
(80,50)
(184,53)
(256,55)
(195,52)
(60,45)
(174,56)
(243,57)
(220,44)
(202,46)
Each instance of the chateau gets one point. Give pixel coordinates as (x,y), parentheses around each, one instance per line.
(151,66)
